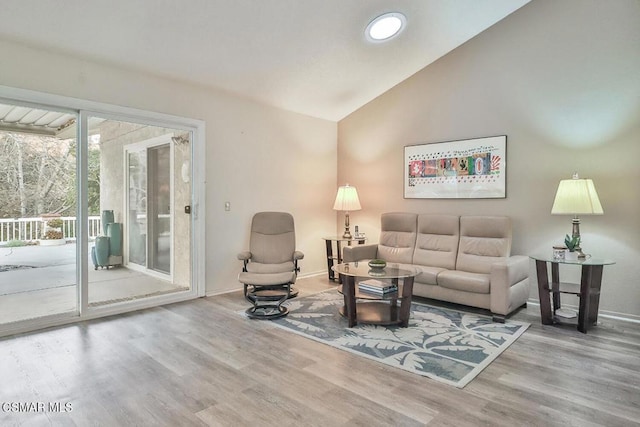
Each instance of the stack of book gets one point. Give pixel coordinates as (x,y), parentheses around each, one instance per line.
(376,287)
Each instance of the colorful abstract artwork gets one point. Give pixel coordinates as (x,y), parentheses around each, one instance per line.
(471,168)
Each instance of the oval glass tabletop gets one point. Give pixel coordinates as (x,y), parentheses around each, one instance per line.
(585,261)
(362,269)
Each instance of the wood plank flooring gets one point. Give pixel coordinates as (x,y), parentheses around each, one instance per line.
(199,363)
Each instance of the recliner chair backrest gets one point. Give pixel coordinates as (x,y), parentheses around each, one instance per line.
(397,237)
(437,241)
(273,238)
(483,241)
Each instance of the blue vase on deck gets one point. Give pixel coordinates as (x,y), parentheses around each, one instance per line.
(107,218)
(114,232)
(102,251)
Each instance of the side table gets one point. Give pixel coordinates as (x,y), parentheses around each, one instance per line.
(336,258)
(588,290)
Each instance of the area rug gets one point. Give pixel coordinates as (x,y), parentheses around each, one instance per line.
(443,344)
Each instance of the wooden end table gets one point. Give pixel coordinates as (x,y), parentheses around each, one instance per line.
(336,258)
(588,290)
(362,307)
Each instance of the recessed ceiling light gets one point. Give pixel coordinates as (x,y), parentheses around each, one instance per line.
(385,27)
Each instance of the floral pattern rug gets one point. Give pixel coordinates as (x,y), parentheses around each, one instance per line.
(443,344)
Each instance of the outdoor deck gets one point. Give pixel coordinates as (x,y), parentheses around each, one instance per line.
(36,281)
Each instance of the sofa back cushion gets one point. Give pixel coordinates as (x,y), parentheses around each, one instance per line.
(437,241)
(483,241)
(397,237)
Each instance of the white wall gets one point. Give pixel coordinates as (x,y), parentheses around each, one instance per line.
(561,79)
(257,157)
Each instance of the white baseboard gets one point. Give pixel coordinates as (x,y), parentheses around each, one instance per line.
(626,317)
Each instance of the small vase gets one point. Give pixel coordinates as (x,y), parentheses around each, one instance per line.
(571,256)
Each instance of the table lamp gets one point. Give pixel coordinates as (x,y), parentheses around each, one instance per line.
(347,200)
(575,197)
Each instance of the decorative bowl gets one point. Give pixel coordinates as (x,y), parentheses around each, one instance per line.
(377,264)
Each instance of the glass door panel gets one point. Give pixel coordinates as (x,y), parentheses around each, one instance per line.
(38,252)
(159,186)
(137,207)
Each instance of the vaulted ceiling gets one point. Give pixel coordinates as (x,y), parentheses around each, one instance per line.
(307,56)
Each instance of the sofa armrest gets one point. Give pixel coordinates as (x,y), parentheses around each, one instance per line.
(298,255)
(359,252)
(504,275)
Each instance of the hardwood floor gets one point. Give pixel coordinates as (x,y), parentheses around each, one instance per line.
(200,363)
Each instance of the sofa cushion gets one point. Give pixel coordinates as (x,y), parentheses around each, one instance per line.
(484,240)
(437,241)
(259,267)
(427,275)
(464,281)
(397,237)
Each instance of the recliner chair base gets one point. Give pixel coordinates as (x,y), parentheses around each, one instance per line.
(267,311)
(267,301)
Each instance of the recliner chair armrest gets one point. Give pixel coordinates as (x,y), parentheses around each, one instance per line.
(298,255)
(244,256)
(359,252)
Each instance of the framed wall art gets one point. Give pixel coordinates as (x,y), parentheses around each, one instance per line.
(469,169)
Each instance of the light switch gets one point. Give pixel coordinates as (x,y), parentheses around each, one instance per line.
(227,206)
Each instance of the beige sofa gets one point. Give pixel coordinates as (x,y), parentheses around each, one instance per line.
(460,259)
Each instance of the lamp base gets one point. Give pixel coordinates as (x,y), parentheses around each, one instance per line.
(347,233)
(575,232)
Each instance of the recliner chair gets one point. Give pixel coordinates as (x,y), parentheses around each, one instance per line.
(271,264)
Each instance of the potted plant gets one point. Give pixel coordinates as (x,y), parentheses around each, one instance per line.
(572,243)
(52,235)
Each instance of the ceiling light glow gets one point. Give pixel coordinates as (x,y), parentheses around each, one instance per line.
(386,26)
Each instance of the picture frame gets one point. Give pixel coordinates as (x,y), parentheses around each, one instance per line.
(463,169)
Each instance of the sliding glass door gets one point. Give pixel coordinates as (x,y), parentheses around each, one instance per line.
(96,213)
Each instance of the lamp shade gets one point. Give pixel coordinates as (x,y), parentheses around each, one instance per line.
(576,196)
(347,199)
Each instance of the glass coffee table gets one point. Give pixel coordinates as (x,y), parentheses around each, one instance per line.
(364,307)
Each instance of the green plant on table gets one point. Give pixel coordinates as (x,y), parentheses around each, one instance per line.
(571,242)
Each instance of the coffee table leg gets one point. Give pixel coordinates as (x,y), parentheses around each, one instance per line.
(405,305)
(349,292)
(393,304)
